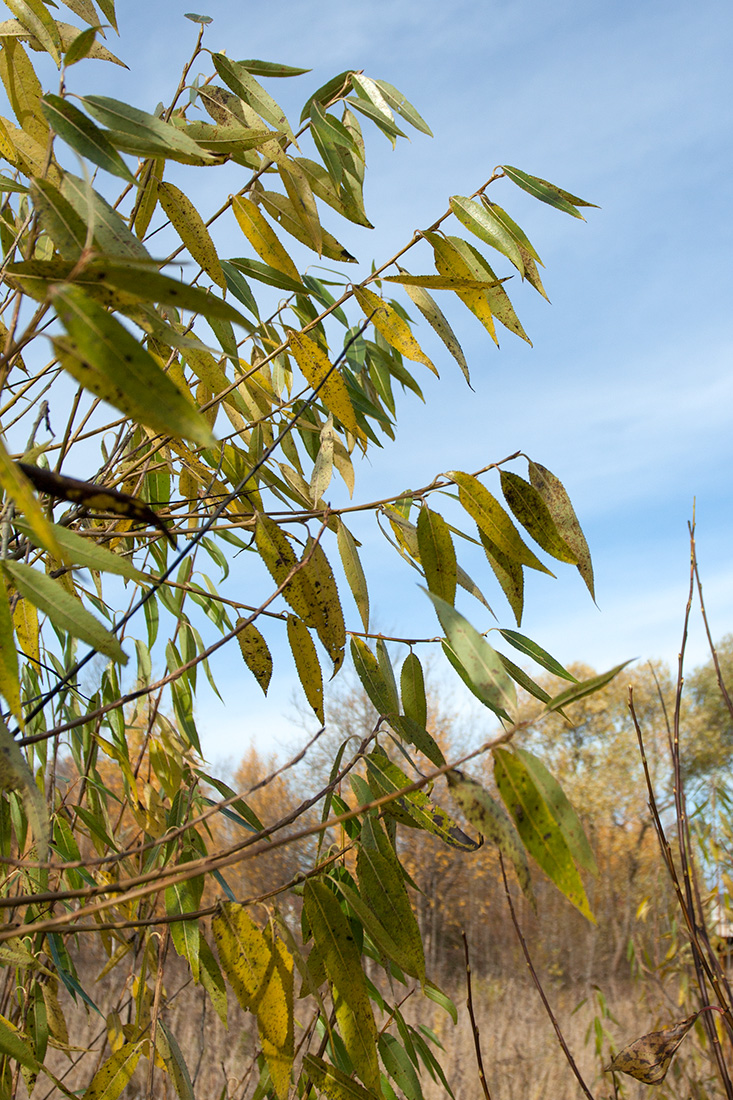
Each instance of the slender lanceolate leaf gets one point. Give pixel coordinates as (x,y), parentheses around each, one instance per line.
(540,832)
(558,503)
(479,221)
(435,317)
(480,662)
(190,227)
(106,358)
(376,685)
(121,117)
(537,653)
(306,664)
(531,511)
(255,653)
(395,330)
(334,1083)
(113,1076)
(493,520)
(35,17)
(15,775)
(64,611)
(561,809)
(321,375)
(354,572)
(581,688)
(546,192)
(486,815)
(83,136)
(263,238)
(437,555)
(412,689)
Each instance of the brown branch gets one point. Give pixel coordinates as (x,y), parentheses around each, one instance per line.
(474,1025)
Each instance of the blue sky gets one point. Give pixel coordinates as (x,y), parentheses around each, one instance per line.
(627,393)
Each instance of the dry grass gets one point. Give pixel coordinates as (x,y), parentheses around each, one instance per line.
(521,1054)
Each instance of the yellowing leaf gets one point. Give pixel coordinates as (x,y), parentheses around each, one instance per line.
(393,328)
(486,815)
(377,686)
(382,884)
(449,262)
(9,677)
(435,317)
(281,208)
(189,225)
(36,18)
(114,1075)
(262,237)
(540,832)
(324,378)
(306,664)
(256,654)
(23,88)
(16,1045)
(260,971)
(25,620)
(354,572)
(437,555)
(18,488)
(335,940)
(15,775)
(329,621)
(493,520)
(106,358)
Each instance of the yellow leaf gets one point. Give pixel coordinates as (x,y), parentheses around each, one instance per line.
(189,225)
(25,621)
(393,328)
(262,237)
(255,653)
(23,88)
(147,200)
(260,971)
(330,622)
(448,261)
(306,664)
(18,488)
(9,676)
(301,196)
(321,374)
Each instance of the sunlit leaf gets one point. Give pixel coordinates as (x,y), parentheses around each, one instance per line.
(190,227)
(73,126)
(558,502)
(393,328)
(486,815)
(546,192)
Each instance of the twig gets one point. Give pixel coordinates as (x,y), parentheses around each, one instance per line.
(474,1025)
(538,985)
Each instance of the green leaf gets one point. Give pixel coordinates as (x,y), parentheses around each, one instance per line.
(65,612)
(480,662)
(264,273)
(111,234)
(341,956)
(414,733)
(86,553)
(412,690)
(83,136)
(479,221)
(167,1047)
(237,77)
(399,1067)
(106,358)
(437,555)
(537,653)
(114,1075)
(382,697)
(415,809)
(204,20)
(354,572)
(382,884)
(271,68)
(182,897)
(508,573)
(15,775)
(159,135)
(539,830)
(546,192)
(333,1082)
(558,502)
(561,809)
(531,511)
(15,1045)
(57,216)
(403,107)
(486,815)
(582,688)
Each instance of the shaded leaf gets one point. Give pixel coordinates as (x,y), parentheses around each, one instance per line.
(159,135)
(354,572)
(15,775)
(73,126)
(412,690)
(584,687)
(437,555)
(561,809)
(537,653)
(439,322)
(531,511)
(114,1075)
(236,76)
(281,208)
(107,359)
(486,815)
(333,1082)
(493,520)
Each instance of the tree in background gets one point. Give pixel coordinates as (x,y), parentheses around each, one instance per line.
(210,416)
